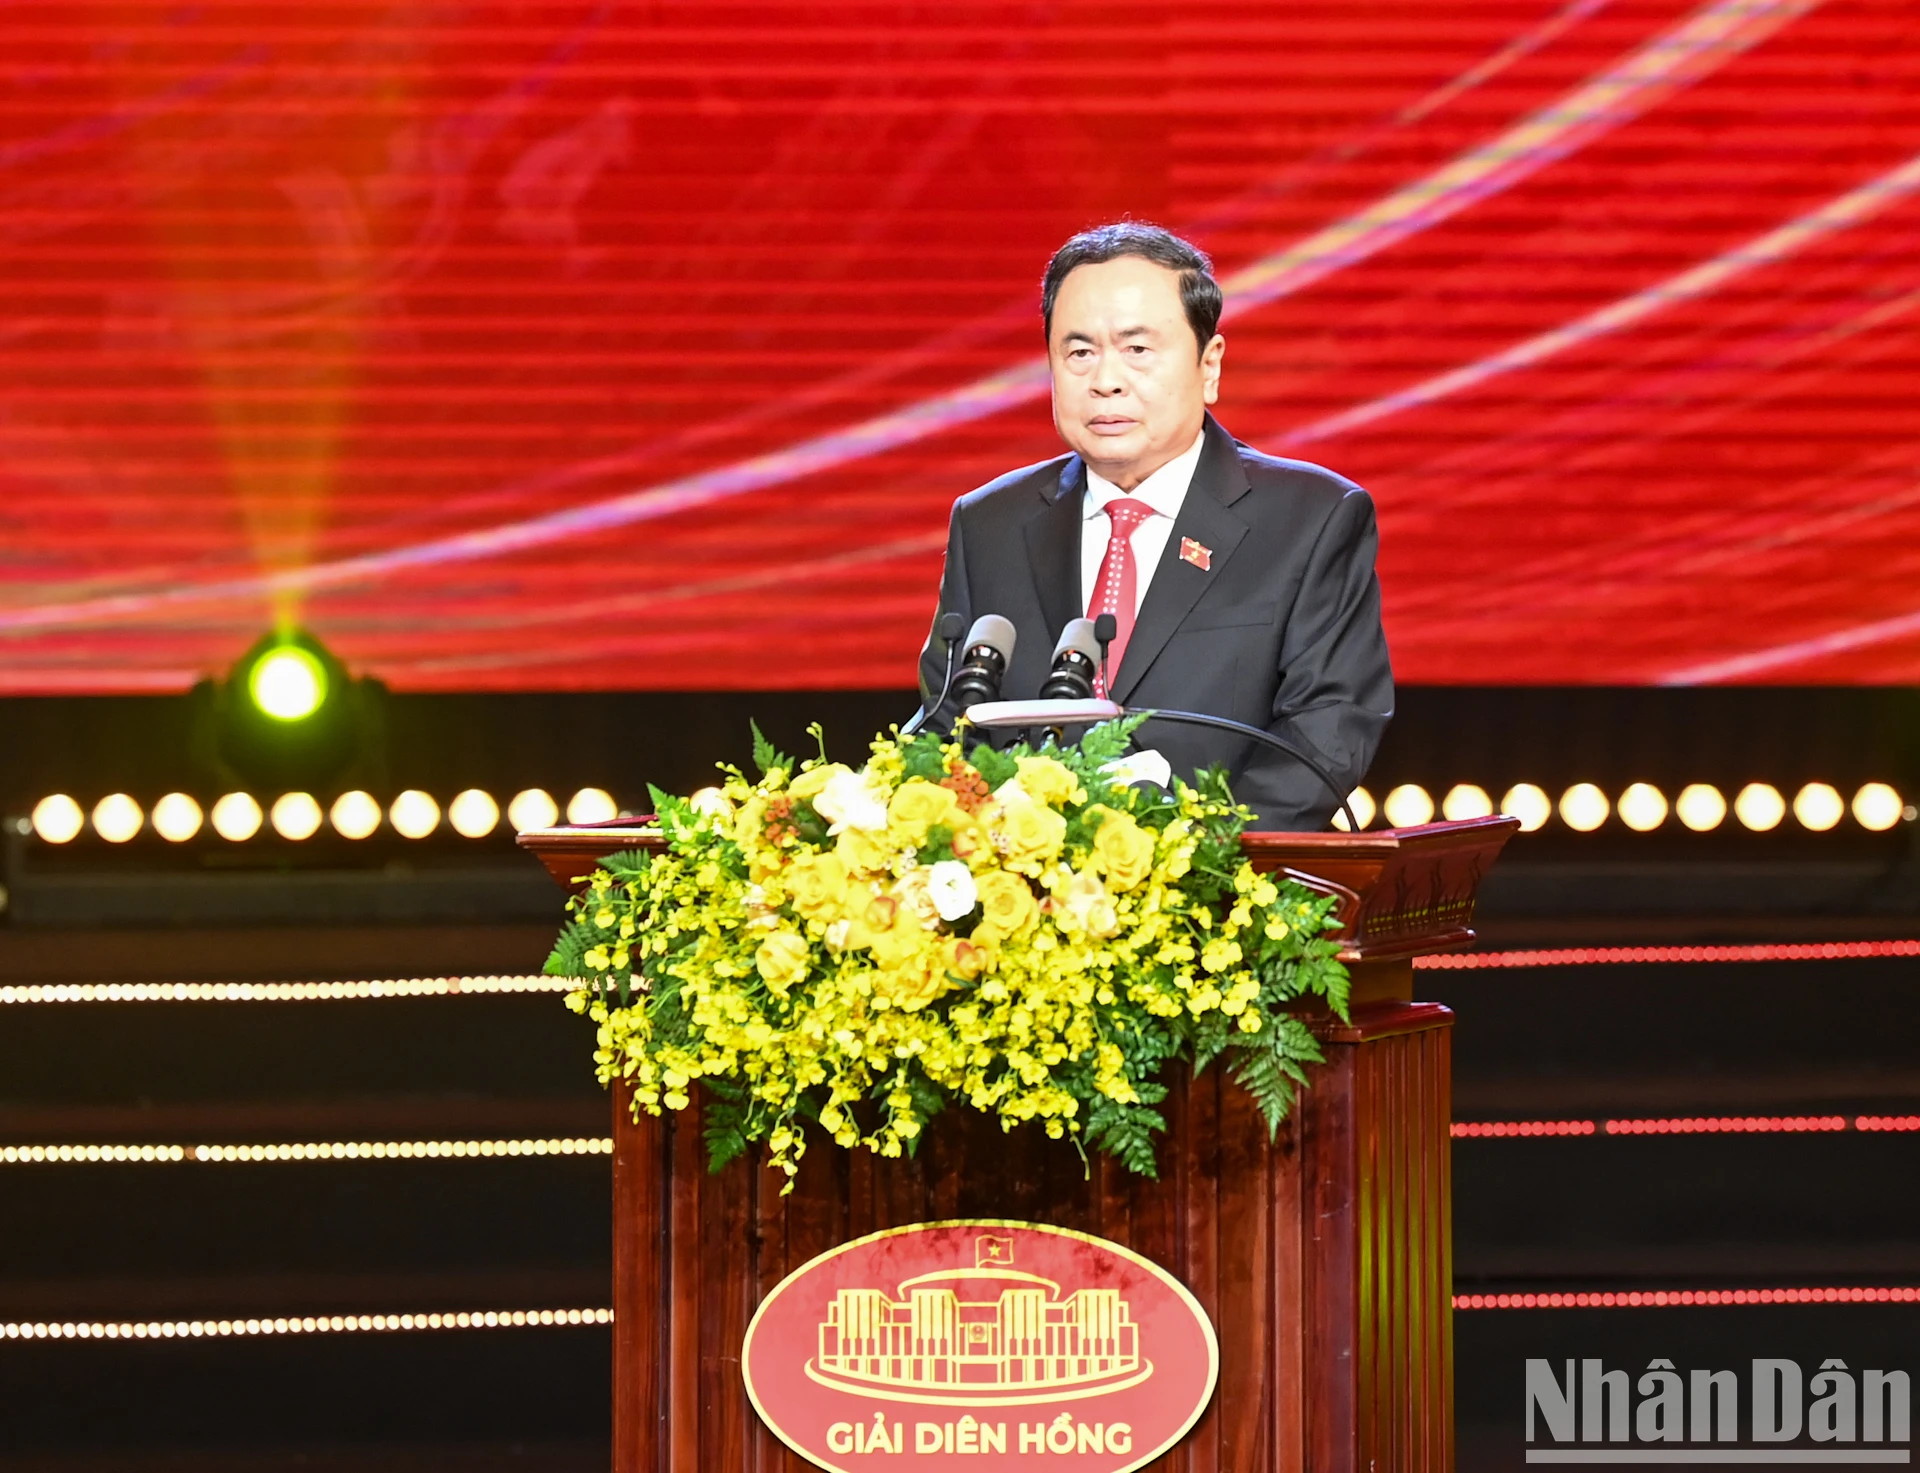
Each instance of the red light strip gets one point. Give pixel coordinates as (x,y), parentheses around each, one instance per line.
(1729,1125)
(1887,1122)
(1681,1125)
(1495,1129)
(1685,1298)
(1589,956)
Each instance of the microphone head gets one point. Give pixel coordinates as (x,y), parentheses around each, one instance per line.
(1076,660)
(951,627)
(1106,629)
(994,632)
(1078,636)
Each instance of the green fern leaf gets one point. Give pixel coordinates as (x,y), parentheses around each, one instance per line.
(766,756)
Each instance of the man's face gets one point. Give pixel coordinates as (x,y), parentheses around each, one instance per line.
(1130,385)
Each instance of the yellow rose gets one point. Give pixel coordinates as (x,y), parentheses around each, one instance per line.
(916,981)
(782,960)
(1122,849)
(817,885)
(1027,833)
(918,805)
(863,852)
(1049,782)
(815,778)
(1006,905)
(896,923)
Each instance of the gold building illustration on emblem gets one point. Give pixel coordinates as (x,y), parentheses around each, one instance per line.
(986,1335)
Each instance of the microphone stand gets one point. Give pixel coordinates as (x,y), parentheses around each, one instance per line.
(952,626)
(1028,716)
(1258,734)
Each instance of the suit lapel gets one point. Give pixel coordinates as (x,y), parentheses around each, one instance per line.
(1218,481)
(1053,547)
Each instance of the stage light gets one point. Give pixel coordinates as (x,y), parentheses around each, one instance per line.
(288,717)
(1643,808)
(1466,800)
(1529,804)
(288,683)
(295,816)
(354,815)
(414,814)
(473,814)
(1759,806)
(58,819)
(1819,807)
(532,808)
(117,818)
(1363,806)
(1583,808)
(591,805)
(1876,806)
(1408,806)
(1700,807)
(1361,802)
(177,818)
(236,817)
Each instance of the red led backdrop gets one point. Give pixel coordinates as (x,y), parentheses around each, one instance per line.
(644,345)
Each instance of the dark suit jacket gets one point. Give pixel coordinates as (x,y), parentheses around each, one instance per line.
(1282,632)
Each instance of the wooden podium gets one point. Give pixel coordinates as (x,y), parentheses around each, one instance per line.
(1323,1259)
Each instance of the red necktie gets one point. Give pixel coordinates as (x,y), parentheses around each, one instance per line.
(1117,590)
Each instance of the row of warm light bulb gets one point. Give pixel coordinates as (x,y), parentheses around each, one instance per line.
(473,814)
(1642,807)
(308,1151)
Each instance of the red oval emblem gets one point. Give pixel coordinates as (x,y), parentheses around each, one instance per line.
(944,1342)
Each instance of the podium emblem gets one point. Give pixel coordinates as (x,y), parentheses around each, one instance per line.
(942,1342)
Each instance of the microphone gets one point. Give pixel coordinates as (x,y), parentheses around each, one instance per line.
(949,629)
(1076,660)
(1106,629)
(988,650)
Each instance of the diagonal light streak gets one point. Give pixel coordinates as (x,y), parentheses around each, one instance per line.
(1705,40)
(1702,43)
(1775,245)
(1796,652)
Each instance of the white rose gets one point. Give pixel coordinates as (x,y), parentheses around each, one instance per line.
(1148,766)
(950,884)
(848,801)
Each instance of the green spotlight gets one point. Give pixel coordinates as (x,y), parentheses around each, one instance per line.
(288,716)
(288,683)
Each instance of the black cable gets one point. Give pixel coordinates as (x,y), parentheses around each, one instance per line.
(951,627)
(1279,744)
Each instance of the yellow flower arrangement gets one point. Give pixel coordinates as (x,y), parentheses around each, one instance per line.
(839,951)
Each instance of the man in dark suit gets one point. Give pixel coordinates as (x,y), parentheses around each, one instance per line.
(1242,584)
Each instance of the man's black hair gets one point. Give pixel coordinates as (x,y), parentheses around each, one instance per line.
(1199,292)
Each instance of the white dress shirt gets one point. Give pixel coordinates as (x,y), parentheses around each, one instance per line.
(1164,491)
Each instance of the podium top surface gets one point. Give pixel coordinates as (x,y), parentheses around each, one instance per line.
(1401,892)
